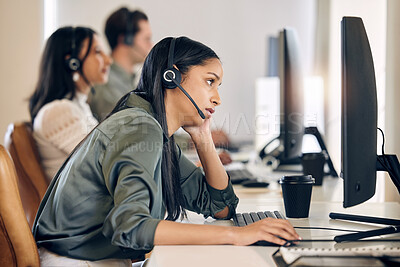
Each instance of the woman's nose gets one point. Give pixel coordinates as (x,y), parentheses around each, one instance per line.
(215,99)
(108,60)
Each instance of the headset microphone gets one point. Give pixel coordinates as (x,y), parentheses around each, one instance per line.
(172,78)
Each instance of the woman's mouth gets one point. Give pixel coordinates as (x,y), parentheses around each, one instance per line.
(210,111)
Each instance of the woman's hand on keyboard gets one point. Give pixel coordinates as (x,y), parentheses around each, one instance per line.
(272,230)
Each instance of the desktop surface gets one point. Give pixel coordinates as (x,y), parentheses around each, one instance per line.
(268,199)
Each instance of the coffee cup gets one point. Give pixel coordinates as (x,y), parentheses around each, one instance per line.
(313,164)
(296,191)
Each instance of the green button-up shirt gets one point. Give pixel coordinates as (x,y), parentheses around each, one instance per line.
(106,201)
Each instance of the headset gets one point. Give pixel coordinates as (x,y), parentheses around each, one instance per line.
(73,62)
(128,37)
(172,77)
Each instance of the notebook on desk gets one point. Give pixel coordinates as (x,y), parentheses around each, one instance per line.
(364,256)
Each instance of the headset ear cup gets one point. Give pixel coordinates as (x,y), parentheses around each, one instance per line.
(167,82)
(73,63)
(128,39)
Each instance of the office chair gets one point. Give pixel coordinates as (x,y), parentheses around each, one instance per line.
(32,180)
(17,245)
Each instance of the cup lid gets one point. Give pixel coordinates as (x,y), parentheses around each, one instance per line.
(313,155)
(297,179)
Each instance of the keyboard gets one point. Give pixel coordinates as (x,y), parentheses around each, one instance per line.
(243,219)
(238,176)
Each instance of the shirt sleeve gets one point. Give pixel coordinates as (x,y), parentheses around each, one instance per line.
(199,196)
(129,166)
(62,124)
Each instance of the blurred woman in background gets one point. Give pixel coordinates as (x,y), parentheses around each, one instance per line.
(72,62)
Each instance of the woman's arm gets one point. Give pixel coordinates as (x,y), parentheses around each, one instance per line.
(214,170)
(173,233)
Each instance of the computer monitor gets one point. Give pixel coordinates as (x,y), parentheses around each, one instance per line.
(359,114)
(360,117)
(291,101)
(292,95)
(359,130)
(273,56)
(286,149)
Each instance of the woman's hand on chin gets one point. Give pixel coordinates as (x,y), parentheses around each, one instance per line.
(199,133)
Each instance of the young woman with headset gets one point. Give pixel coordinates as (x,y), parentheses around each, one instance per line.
(72,62)
(123,187)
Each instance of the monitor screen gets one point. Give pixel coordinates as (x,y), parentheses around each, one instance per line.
(359,114)
(291,87)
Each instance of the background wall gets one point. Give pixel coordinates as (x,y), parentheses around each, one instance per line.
(21,24)
(392,96)
(236,30)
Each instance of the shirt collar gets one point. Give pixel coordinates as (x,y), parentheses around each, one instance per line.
(135,101)
(81,97)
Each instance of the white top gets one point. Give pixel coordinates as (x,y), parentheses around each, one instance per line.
(58,127)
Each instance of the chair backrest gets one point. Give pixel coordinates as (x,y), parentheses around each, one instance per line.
(17,245)
(32,180)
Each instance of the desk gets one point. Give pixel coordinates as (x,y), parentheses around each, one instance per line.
(330,191)
(262,256)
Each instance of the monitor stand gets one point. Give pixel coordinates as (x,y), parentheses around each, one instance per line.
(314,131)
(294,164)
(394,226)
(390,164)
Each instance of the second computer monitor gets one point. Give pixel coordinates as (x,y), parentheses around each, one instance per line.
(291,118)
(292,95)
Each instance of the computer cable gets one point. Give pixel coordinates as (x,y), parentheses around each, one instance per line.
(326,228)
(383,141)
(386,162)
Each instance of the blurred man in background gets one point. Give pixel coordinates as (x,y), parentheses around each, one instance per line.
(129,36)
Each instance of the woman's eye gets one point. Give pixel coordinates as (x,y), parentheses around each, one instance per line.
(210,82)
(97,50)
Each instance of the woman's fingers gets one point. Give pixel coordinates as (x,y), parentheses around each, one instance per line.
(283,225)
(279,232)
(275,230)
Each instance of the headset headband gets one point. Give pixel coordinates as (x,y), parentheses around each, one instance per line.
(73,45)
(128,35)
(73,63)
(171,54)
